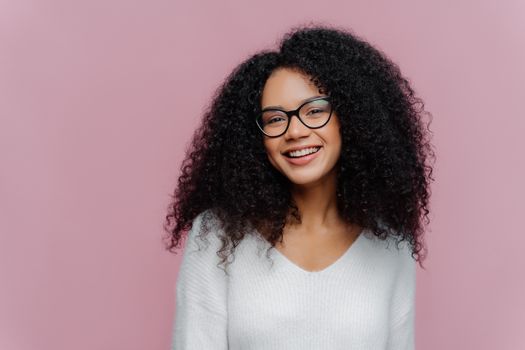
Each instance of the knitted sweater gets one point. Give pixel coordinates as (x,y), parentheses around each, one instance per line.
(362,301)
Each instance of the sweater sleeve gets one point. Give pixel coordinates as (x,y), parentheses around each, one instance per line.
(402,313)
(201,292)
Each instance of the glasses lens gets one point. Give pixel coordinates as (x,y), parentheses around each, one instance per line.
(273,122)
(316,113)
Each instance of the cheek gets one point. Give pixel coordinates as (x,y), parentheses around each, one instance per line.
(335,138)
(271,150)
(270,146)
(340,146)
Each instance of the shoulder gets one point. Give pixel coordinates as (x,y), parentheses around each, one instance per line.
(390,253)
(205,228)
(206,218)
(204,238)
(391,263)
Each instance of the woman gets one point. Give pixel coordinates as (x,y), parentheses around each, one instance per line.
(315,153)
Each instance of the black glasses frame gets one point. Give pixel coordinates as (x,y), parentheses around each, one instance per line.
(295,112)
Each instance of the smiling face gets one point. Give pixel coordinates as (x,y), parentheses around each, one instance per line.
(288,89)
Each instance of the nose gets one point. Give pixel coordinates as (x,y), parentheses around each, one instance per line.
(296,129)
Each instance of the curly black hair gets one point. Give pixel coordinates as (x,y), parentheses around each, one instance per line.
(384,167)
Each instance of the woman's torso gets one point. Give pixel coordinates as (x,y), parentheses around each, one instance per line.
(277,302)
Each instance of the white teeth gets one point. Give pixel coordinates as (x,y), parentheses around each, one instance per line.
(303,152)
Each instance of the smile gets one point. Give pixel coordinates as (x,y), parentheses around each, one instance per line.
(303,152)
(302,157)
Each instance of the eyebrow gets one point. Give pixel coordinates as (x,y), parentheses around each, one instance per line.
(302,102)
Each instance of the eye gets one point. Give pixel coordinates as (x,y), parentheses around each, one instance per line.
(275,120)
(315,111)
(272,117)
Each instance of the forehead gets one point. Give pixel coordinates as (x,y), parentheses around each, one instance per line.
(287,88)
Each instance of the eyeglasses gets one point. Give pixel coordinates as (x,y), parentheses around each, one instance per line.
(314,114)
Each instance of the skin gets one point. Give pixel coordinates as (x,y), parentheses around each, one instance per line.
(322,236)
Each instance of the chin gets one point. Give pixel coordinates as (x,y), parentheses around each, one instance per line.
(304,181)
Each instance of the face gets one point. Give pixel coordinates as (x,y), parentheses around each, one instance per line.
(288,89)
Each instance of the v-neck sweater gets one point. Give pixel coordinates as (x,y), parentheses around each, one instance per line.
(362,301)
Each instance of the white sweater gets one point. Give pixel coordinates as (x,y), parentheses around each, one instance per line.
(363,301)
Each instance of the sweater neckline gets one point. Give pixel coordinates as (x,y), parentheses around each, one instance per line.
(333,266)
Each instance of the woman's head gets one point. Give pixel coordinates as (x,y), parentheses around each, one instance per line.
(304,149)
(379,157)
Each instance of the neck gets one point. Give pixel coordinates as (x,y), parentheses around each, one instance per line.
(317,202)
